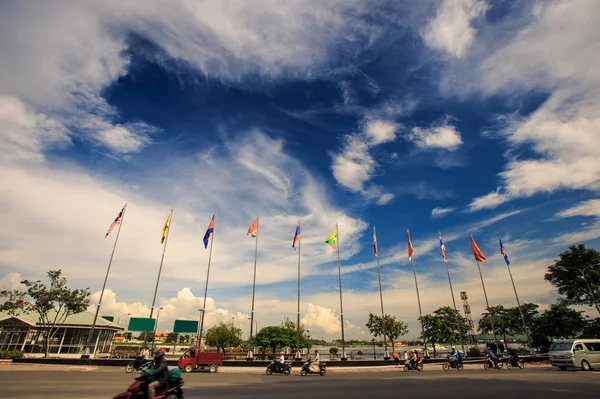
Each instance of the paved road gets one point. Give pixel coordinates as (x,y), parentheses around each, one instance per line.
(541,382)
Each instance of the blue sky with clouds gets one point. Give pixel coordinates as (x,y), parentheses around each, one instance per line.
(465,116)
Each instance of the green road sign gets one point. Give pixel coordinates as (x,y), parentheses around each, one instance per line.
(142,324)
(109,318)
(185,327)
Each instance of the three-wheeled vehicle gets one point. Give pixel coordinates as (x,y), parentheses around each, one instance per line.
(194,359)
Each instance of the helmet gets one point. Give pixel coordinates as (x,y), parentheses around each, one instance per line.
(316,351)
(454,347)
(416,351)
(159,353)
(281,353)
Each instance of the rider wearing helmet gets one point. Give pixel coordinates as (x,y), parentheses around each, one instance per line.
(490,353)
(414,357)
(160,372)
(281,361)
(453,356)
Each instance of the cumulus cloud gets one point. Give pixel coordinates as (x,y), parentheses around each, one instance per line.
(451,30)
(323,318)
(441,212)
(354,166)
(442,137)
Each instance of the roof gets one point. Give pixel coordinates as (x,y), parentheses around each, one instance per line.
(79,319)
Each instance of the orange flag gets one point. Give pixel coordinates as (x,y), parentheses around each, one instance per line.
(253,230)
(479,256)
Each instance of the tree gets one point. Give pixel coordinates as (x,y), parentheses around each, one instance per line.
(441,327)
(275,337)
(592,329)
(53,303)
(291,326)
(171,338)
(393,328)
(333,351)
(567,275)
(561,322)
(503,320)
(223,336)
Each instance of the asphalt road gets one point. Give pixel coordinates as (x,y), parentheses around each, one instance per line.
(539,382)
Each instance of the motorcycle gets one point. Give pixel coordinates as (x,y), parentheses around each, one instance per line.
(489,364)
(457,364)
(286,369)
(413,366)
(514,362)
(306,369)
(137,365)
(139,387)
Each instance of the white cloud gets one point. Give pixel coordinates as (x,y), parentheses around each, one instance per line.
(441,212)
(585,208)
(354,166)
(491,200)
(444,137)
(12,281)
(123,140)
(323,318)
(451,29)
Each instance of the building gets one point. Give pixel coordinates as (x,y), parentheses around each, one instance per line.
(23,333)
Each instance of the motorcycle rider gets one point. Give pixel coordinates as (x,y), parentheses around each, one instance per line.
(453,356)
(160,371)
(281,361)
(514,356)
(414,358)
(141,356)
(490,353)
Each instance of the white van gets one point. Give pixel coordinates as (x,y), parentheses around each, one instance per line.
(584,353)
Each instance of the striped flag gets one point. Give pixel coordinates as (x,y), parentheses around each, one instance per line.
(209,231)
(297,236)
(503,252)
(116,222)
(479,256)
(253,229)
(410,247)
(443,249)
(375,247)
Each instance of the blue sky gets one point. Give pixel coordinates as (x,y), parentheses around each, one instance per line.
(466,116)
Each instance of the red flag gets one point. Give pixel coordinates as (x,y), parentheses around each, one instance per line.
(410,248)
(479,256)
(253,230)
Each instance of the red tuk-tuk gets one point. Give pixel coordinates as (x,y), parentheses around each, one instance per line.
(193,359)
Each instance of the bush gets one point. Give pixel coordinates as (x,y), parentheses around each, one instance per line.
(333,351)
(4,354)
(474,352)
(360,353)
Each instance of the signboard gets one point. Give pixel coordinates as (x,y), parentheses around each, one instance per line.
(109,318)
(185,327)
(142,324)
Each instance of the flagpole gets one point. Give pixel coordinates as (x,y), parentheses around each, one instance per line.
(487,304)
(418,297)
(462,343)
(250,355)
(520,310)
(386,355)
(298,355)
(337,232)
(90,336)
(161,262)
(212,235)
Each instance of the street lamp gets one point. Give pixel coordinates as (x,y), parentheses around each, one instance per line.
(255,324)
(232,317)
(155,326)
(119,319)
(582,271)
(374,354)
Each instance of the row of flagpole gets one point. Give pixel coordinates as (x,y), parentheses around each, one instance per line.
(333,241)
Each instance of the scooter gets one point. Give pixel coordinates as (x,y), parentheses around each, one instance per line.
(137,365)
(514,362)
(457,364)
(139,387)
(489,364)
(413,366)
(306,368)
(286,369)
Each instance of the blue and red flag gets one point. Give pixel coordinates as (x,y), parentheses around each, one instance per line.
(296,236)
(375,246)
(503,252)
(443,249)
(209,231)
(117,221)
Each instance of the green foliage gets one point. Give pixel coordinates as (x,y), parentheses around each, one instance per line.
(53,303)
(5,354)
(171,338)
(474,352)
(224,336)
(386,325)
(441,326)
(504,321)
(334,351)
(570,283)
(275,337)
(359,353)
(592,329)
(561,322)
(304,341)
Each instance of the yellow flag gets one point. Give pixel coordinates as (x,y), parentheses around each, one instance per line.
(166,227)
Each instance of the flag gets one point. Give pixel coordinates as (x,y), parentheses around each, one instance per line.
(209,231)
(253,230)
(375,247)
(332,239)
(443,249)
(296,236)
(116,222)
(166,227)
(410,247)
(503,252)
(479,256)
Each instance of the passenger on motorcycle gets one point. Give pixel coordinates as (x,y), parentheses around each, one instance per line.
(160,370)
(314,363)
(414,358)
(281,362)
(514,356)
(491,355)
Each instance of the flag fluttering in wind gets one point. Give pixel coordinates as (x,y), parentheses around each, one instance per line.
(410,247)
(116,222)
(253,229)
(479,256)
(503,252)
(209,231)
(166,227)
(375,247)
(296,236)
(443,249)
(332,239)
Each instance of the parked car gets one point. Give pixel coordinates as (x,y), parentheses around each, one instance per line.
(571,353)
